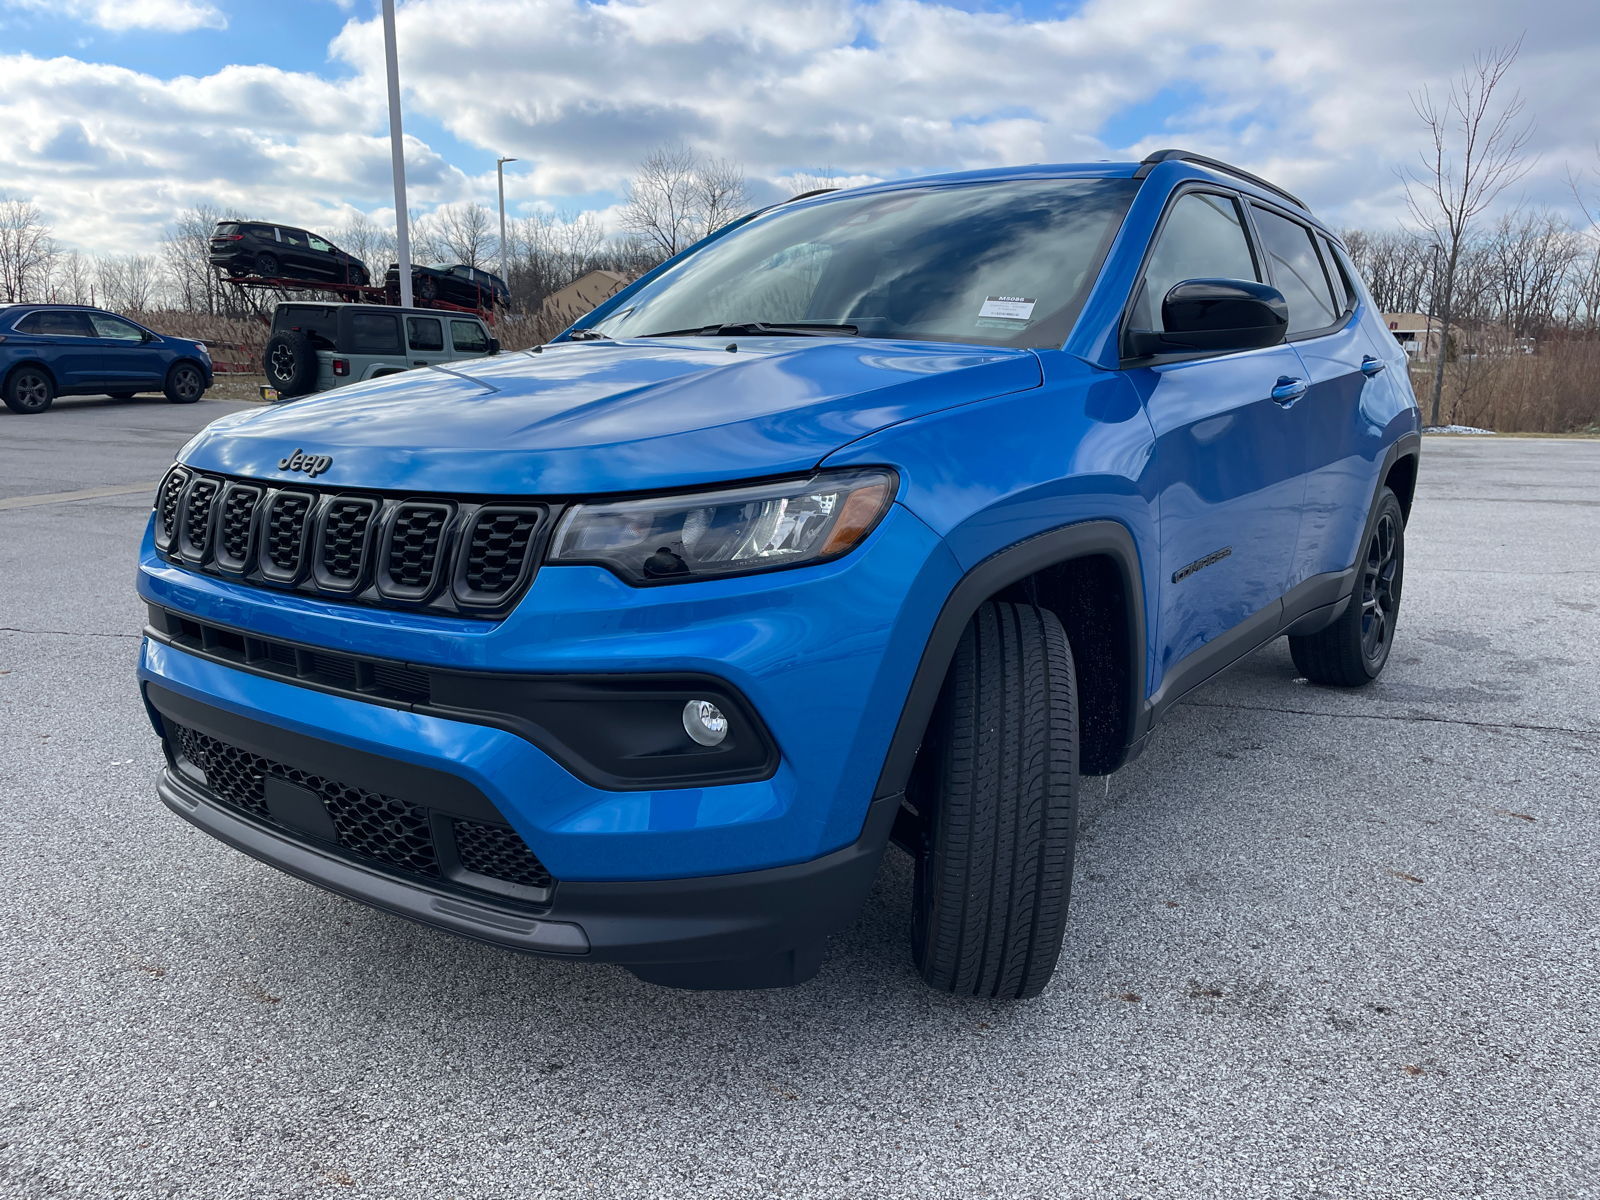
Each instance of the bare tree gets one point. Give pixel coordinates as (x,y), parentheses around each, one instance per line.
(1534,253)
(1477,152)
(1397,265)
(465,232)
(363,237)
(70,283)
(128,283)
(186,255)
(676,199)
(27,251)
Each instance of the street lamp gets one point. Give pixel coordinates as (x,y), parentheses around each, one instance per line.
(505,273)
(402,229)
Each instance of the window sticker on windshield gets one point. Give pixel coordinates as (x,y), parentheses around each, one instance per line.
(1010,308)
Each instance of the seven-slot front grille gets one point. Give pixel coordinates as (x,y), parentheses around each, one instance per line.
(369,824)
(443,554)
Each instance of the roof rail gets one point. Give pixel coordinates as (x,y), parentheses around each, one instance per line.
(1216,164)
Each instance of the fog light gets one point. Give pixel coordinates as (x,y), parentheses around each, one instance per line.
(704,722)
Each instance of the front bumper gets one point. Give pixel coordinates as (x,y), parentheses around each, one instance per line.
(748,929)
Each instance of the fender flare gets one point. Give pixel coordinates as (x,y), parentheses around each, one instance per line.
(1000,570)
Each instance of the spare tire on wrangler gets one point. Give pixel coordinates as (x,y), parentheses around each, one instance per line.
(291,363)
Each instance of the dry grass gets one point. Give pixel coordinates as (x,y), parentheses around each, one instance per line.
(1554,391)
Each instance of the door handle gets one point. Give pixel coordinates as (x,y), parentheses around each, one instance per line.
(1371,366)
(1289,390)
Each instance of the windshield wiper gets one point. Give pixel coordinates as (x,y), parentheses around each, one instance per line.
(763,329)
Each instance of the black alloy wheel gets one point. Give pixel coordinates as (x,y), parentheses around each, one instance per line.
(358,276)
(267,265)
(290,362)
(185,384)
(428,287)
(29,391)
(1353,650)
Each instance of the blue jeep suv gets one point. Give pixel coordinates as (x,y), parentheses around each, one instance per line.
(882,515)
(50,350)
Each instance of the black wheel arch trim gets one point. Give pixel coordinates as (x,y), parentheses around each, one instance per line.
(1001,569)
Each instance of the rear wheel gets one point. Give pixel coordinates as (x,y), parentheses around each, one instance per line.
(29,390)
(267,265)
(1353,650)
(996,792)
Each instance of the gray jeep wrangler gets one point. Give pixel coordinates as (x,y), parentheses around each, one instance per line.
(316,346)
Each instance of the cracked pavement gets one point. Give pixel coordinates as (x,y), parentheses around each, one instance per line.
(1322,944)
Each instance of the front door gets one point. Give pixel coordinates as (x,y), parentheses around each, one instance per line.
(129,363)
(1230,457)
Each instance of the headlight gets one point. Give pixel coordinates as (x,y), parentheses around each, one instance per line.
(201,346)
(735,531)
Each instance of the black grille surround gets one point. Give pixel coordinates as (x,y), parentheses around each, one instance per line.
(402,837)
(458,556)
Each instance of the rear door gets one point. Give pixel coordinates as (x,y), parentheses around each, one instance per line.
(1333,349)
(64,341)
(129,363)
(372,341)
(425,341)
(1230,459)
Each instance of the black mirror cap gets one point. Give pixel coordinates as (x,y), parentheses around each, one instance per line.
(1223,314)
(494,345)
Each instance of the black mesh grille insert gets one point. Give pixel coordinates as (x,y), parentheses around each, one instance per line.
(238,513)
(496,550)
(167,502)
(285,529)
(369,824)
(196,521)
(499,851)
(414,545)
(344,539)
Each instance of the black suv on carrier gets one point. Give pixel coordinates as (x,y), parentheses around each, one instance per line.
(282,252)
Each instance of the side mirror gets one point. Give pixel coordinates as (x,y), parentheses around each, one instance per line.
(494,345)
(1215,315)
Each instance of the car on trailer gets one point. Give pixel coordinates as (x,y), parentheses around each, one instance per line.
(316,346)
(880,516)
(283,252)
(460,285)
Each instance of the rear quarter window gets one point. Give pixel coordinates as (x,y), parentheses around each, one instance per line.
(226,230)
(373,333)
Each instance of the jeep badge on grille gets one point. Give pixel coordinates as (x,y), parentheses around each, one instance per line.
(312,464)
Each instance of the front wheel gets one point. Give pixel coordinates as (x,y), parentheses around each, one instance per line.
(996,792)
(185,384)
(1353,650)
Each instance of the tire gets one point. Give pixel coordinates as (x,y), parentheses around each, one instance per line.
(358,277)
(186,383)
(267,265)
(30,390)
(428,287)
(996,786)
(290,363)
(1353,650)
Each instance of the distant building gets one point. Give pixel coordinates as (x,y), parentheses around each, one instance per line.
(1419,334)
(584,295)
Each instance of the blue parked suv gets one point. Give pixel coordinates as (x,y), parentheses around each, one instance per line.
(883,515)
(50,350)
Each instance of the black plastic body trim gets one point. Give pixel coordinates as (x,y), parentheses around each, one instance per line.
(620,732)
(984,580)
(701,926)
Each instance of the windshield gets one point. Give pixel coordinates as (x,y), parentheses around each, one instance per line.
(1002,264)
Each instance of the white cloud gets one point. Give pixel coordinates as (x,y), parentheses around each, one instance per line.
(1313,95)
(170,16)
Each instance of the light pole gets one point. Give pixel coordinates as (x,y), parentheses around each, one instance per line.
(505,272)
(402,228)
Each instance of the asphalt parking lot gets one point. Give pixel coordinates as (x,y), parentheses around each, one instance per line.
(1323,943)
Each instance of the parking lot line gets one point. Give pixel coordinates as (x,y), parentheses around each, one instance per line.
(126,489)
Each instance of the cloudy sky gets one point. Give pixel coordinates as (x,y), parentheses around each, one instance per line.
(115,114)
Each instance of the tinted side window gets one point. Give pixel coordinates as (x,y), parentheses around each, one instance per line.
(1203,238)
(1344,292)
(55,324)
(374,333)
(107,326)
(318,244)
(425,333)
(263,231)
(469,336)
(1297,272)
(294,237)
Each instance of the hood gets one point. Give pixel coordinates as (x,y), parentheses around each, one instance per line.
(611,416)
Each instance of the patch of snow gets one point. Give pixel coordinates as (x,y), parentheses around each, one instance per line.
(1456,429)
